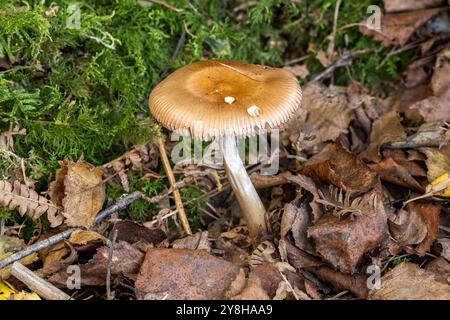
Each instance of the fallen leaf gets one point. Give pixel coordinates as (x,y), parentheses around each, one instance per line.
(441,269)
(438,162)
(270,277)
(323,59)
(81,187)
(299,70)
(298,258)
(132,232)
(392,172)
(356,284)
(184,274)
(445,243)
(126,260)
(339,167)
(385,129)
(198,241)
(252,291)
(7,292)
(84,236)
(430,216)
(407,281)
(343,241)
(296,220)
(410,5)
(9,246)
(323,117)
(407,227)
(440,81)
(434,108)
(309,185)
(397,29)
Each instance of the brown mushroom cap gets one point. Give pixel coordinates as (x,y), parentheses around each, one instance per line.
(211,99)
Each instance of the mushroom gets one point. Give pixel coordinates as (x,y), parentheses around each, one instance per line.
(225,100)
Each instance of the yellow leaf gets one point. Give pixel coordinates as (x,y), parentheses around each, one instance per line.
(7,292)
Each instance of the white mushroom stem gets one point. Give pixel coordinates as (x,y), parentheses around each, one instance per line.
(251,206)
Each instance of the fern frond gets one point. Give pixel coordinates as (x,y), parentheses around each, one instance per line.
(343,204)
(27,200)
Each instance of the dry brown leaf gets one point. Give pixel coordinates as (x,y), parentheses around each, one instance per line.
(407,227)
(356,284)
(197,241)
(430,216)
(81,187)
(126,260)
(296,220)
(132,232)
(323,117)
(441,269)
(434,108)
(445,243)
(82,237)
(397,29)
(27,201)
(438,162)
(385,129)
(184,275)
(270,277)
(440,81)
(343,241)
(309,185)
(410,5)
(407,281)
(323,59)
(390,171)
(299,70)
(339,167)
(253,291)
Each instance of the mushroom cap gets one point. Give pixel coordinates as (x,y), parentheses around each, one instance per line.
(211,99)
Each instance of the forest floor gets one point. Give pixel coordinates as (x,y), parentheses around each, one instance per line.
(359,208)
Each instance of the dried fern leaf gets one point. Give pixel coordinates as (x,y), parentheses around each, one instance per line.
(27,201)
(342,203)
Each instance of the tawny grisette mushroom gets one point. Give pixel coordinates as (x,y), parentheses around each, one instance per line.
(223,100)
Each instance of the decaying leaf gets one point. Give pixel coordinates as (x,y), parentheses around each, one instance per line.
(309,185)
(410,5)
(80,190)
(397,29)
(434,108)
(323,117)
(197,241)
(81,237)
(299,70)
(407,281)
(385,129)
(438,162)
(133,232)
(441,269)
(356,284)
(339,167)
(296,220)
(184,274)
(9,246)
(28,201)
(7,292)
(445,244)
(126,260)
(407,227)
(253,291)
(342,242)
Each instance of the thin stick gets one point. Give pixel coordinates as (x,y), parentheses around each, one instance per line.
(172,181)
(38,285)
(109,296)
(118,205)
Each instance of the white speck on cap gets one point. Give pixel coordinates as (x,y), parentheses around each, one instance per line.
(229,100)
(254,111)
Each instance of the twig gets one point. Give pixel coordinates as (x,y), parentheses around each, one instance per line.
(38,285)
(161,3)
(118,205)
(109,296)
(172,181)
(345,59)
(330,49)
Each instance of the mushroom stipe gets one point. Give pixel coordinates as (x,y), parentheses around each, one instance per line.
(222,101)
